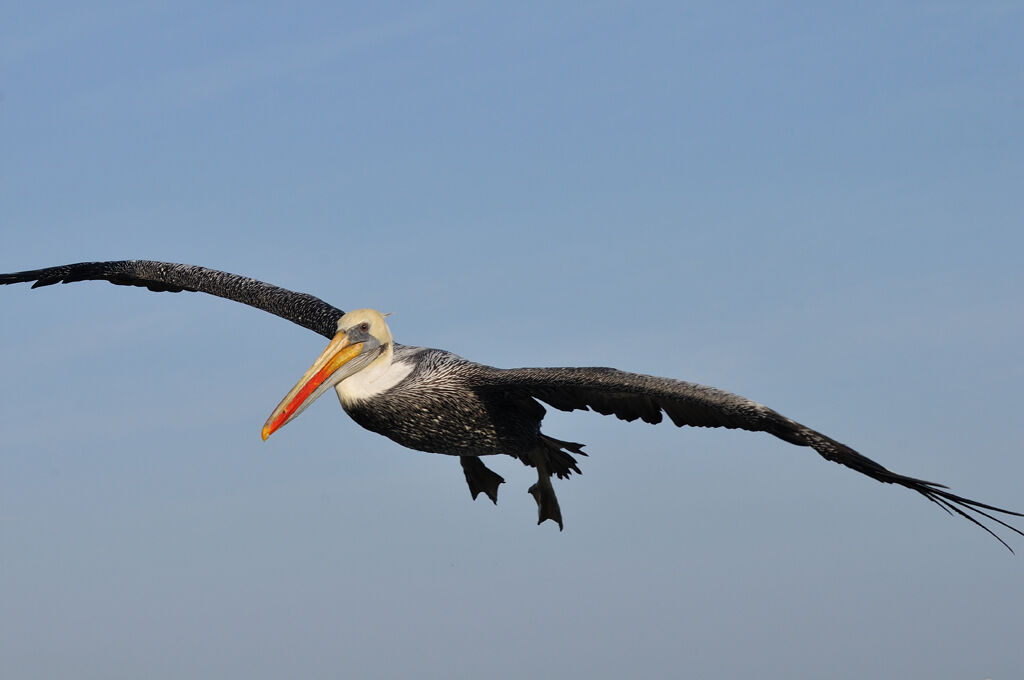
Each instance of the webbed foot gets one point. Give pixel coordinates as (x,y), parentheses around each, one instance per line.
(480,478)
(547,502)
(542,491)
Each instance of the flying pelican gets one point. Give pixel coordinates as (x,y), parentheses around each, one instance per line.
(432,400)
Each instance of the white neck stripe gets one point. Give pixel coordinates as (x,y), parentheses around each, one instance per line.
(378,377)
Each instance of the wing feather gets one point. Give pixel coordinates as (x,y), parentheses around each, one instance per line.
(168,277)
(632,396)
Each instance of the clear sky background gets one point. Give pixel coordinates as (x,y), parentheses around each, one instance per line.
(819,207)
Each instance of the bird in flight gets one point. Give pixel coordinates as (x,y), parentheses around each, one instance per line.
(435,401)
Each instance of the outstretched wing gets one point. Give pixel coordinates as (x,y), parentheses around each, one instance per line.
(301,308)
(632,396)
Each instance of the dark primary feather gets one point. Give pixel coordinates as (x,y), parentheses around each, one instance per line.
(632,396)
(167,277)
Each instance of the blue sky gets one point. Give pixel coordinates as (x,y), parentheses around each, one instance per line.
(817,207)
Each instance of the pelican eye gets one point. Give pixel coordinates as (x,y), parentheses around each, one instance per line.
(364,327)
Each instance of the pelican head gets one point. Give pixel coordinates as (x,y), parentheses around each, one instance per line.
(363,339)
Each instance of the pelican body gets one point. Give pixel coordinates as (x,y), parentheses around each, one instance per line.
(435,401)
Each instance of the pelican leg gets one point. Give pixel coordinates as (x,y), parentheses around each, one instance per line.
(543,492)
(480,478)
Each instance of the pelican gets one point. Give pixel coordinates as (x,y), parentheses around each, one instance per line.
(435,401)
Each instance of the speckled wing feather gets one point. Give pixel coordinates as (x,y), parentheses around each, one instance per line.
(301,308)
(631,396)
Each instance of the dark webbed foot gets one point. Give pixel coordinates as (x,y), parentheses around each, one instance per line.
(543,492)
(480,478)
(547,502)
